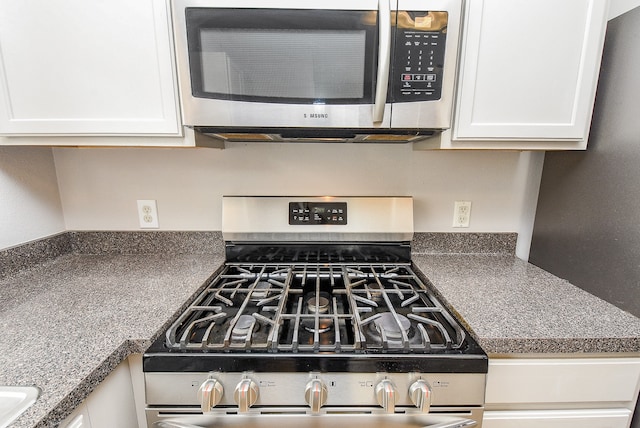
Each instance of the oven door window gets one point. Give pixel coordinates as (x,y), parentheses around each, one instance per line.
(283,56)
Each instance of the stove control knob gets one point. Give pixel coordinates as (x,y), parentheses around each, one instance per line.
(315,394)
(246,394)
(420,393)
(210,394)
(387,395)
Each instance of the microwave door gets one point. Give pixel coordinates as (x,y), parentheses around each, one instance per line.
(269,66)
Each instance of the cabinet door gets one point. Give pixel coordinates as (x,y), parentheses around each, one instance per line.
(78,419)
(529,69)
(564,381)
(111,404)
(86,67)
(606,418)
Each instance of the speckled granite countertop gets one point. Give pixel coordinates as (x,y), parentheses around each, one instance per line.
(511,306)
(68,322)
(87,300)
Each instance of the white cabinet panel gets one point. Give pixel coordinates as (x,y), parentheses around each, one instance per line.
(111,404)
(561,392)
(586,380)
(529,70)
(87,67)
(616,418)
(78,419)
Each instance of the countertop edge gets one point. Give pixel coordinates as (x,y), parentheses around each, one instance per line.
(127,348)
(587,347)
(69,403)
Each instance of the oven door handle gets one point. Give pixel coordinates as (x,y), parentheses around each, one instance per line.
(384,58)
(174,424)
(271,421)
(459,423)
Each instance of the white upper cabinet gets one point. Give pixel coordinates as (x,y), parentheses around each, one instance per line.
(87,67)
(528,73)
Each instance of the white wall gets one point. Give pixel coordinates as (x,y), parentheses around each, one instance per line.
(618,7)
(99,187)
(29,201)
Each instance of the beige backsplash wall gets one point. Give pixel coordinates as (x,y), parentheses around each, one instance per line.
(29,201)
(99,187)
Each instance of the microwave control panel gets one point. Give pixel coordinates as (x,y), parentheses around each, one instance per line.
(419,56)
(317,213)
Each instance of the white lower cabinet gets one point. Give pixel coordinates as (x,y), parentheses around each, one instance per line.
(78,419)
(561,392)
(111,404)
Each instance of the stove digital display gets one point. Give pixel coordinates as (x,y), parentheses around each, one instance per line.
(301,213)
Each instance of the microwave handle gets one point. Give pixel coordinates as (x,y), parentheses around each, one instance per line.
(384,58)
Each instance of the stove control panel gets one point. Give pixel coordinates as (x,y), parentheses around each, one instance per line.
(301,213)
(315,392)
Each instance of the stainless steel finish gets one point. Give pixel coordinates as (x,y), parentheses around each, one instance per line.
(291,418)
(210,394)
(434,115)
(315,394)
(287,389)
(246,394)
(243,114)
(384,58)
(218,139)
(387,395)
(309,312)
(456,424)
(211,112)
(373,325)
(279,4)
(174,424)
(371,219)
(420,393)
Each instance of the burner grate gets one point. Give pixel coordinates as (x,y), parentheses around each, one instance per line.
(306,307)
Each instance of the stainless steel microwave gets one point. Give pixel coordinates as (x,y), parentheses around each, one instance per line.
(375,67)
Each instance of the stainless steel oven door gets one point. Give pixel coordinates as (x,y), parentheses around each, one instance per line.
(286,418)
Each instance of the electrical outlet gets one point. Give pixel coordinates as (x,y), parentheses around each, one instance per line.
(461,213)
(148,214)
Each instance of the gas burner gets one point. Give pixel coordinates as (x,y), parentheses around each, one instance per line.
(243,327)
(324,325)
(319,305)
(387,326)
(260,291)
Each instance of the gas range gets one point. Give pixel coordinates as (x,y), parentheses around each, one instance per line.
(312,315)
